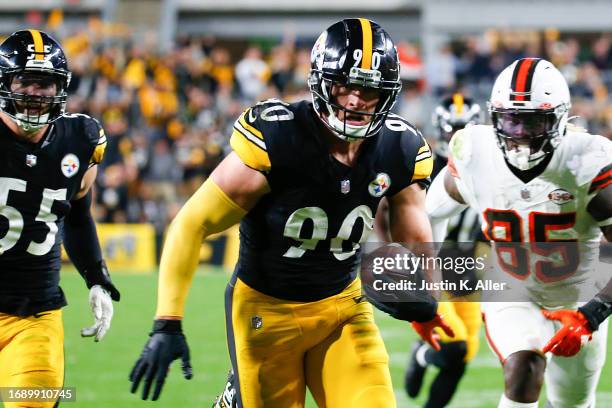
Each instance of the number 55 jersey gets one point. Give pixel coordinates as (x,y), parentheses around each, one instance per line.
(37,182)
(546,242)
(301,241)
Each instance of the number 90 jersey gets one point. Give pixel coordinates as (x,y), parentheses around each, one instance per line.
(548,212)
(37,183)
(301,241)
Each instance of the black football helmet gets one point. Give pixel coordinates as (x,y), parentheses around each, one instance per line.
(453,113)
(32,56)
(354,52)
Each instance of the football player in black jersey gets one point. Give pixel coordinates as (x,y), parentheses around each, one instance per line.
(47,166)
(453,113)
(304,180)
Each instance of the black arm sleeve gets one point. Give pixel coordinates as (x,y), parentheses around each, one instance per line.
(83,247)
(600,206)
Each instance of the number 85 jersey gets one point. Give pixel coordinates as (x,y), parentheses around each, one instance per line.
(301,241)
(543,212)
(37,182)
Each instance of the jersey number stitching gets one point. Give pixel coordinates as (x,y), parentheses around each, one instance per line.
(15,219)
(518,264)
(319,218)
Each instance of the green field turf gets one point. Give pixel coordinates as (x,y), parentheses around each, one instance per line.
(99,371)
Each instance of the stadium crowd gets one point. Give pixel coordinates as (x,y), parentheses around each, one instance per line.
(168,117)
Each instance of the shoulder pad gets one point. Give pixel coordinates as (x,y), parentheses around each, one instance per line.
(93,132)
(417,151)
(253,130)
(272,110)
(460,146)
(597,162)
(423,162)
(96,135)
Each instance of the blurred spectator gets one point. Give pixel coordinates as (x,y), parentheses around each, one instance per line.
(252,74)
(282,68)
(411,65)
(602,53)
(441,72)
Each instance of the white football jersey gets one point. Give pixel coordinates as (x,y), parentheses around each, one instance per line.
(551,207)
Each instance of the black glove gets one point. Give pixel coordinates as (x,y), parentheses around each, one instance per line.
(410,311)
(596,311)
(166,344)
(409,305)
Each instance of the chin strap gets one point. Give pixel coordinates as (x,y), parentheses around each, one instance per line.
(345,131)
(24,124)
(522,158)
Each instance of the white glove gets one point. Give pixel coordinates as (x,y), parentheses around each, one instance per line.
(102,309)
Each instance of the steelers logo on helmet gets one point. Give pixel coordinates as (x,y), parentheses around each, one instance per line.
(318,51)
(354,53)
(34,77)
(529,108)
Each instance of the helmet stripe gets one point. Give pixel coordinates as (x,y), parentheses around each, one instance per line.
(366,31)
(458,102)
(39,49)
(522,78)
(529,78)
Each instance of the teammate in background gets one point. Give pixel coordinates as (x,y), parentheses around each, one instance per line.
(47,167)
(305,180)
(533,178)
(452,114)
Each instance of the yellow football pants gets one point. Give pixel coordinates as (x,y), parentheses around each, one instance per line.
(31,353)
(465,320)
(332,346)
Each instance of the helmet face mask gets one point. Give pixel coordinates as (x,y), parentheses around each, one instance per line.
(34,77)
(529,109)
(452,114)
(527,136)
(354,54)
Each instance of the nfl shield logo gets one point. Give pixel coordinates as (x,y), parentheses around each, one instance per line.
(30,160)
(525,194)
(345,186)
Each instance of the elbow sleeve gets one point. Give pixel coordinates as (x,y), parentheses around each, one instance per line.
(80,235)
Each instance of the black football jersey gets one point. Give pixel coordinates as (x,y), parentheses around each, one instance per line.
(301,241)
(37,182)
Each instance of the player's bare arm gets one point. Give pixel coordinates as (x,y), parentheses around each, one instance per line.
(241,183)
(408,216)
(88,180)
(381,222)
(409,224)
(450,185)
(600,208)
(607,231)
